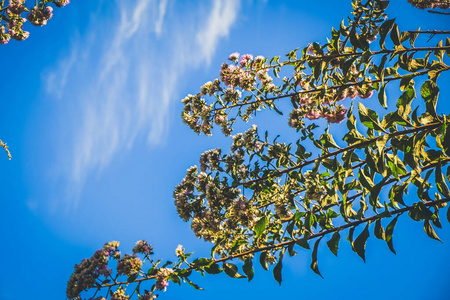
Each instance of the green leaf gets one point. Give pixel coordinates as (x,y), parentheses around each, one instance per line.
(375,191)
(448,214)
(379,231)
(405,81)
(384,30)
(360,243)
(446,143)
(350,237)
(314,265)
(365,180)
(404,102)
(303,243)
(420,212)
(395,35)
(291,250)
(435,69)
(213,269)
(278,267)
(430,92)
(333,243)
(260,226)
(389,234)
(413,37)
(232,270)
(439,53)
(192,284)
(328,141)
(381,142)
(276,109)
(263,260)
(201,262)
(248,268)
(382,95)
(132,277)
(430,231)
(369,117)
(440,182)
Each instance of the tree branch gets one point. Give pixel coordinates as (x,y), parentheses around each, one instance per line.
(357,145)
(287,243)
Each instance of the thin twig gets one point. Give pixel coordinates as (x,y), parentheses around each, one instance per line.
(438,12)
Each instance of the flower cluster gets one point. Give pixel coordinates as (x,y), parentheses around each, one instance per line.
(196,114)
(39,16)
(147,296)
(119,294)
(86,273)
(315,191)
(210,88)
(249,141)
(129,265)
(162,278)
(243,213)
(61,3)
(314,105)
(143,247)
(210,160)
(15,26)
(245,73)
(179,251)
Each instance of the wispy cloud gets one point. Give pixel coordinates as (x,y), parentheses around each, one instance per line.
(125,79)
(222,16)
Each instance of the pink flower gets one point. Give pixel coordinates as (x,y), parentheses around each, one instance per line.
(61,3)
(234,56)
(245,59)
(313,114)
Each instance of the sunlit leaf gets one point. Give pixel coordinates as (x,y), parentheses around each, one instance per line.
(232,270)
(389,234)
(430,231)
(333,243)
(360,243)
(278,268)
(248,268)
(314,265)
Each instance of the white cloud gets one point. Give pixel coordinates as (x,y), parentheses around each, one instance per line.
(125,79)
(222,16)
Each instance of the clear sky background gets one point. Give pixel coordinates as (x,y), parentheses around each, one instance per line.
(91,112)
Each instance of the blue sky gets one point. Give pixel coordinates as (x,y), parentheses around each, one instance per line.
(91,112)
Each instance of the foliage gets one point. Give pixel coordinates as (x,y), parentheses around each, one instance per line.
(265,197)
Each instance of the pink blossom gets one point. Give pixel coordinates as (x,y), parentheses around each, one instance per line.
(313,114)
(234,56)
(245,59)
(61,3)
